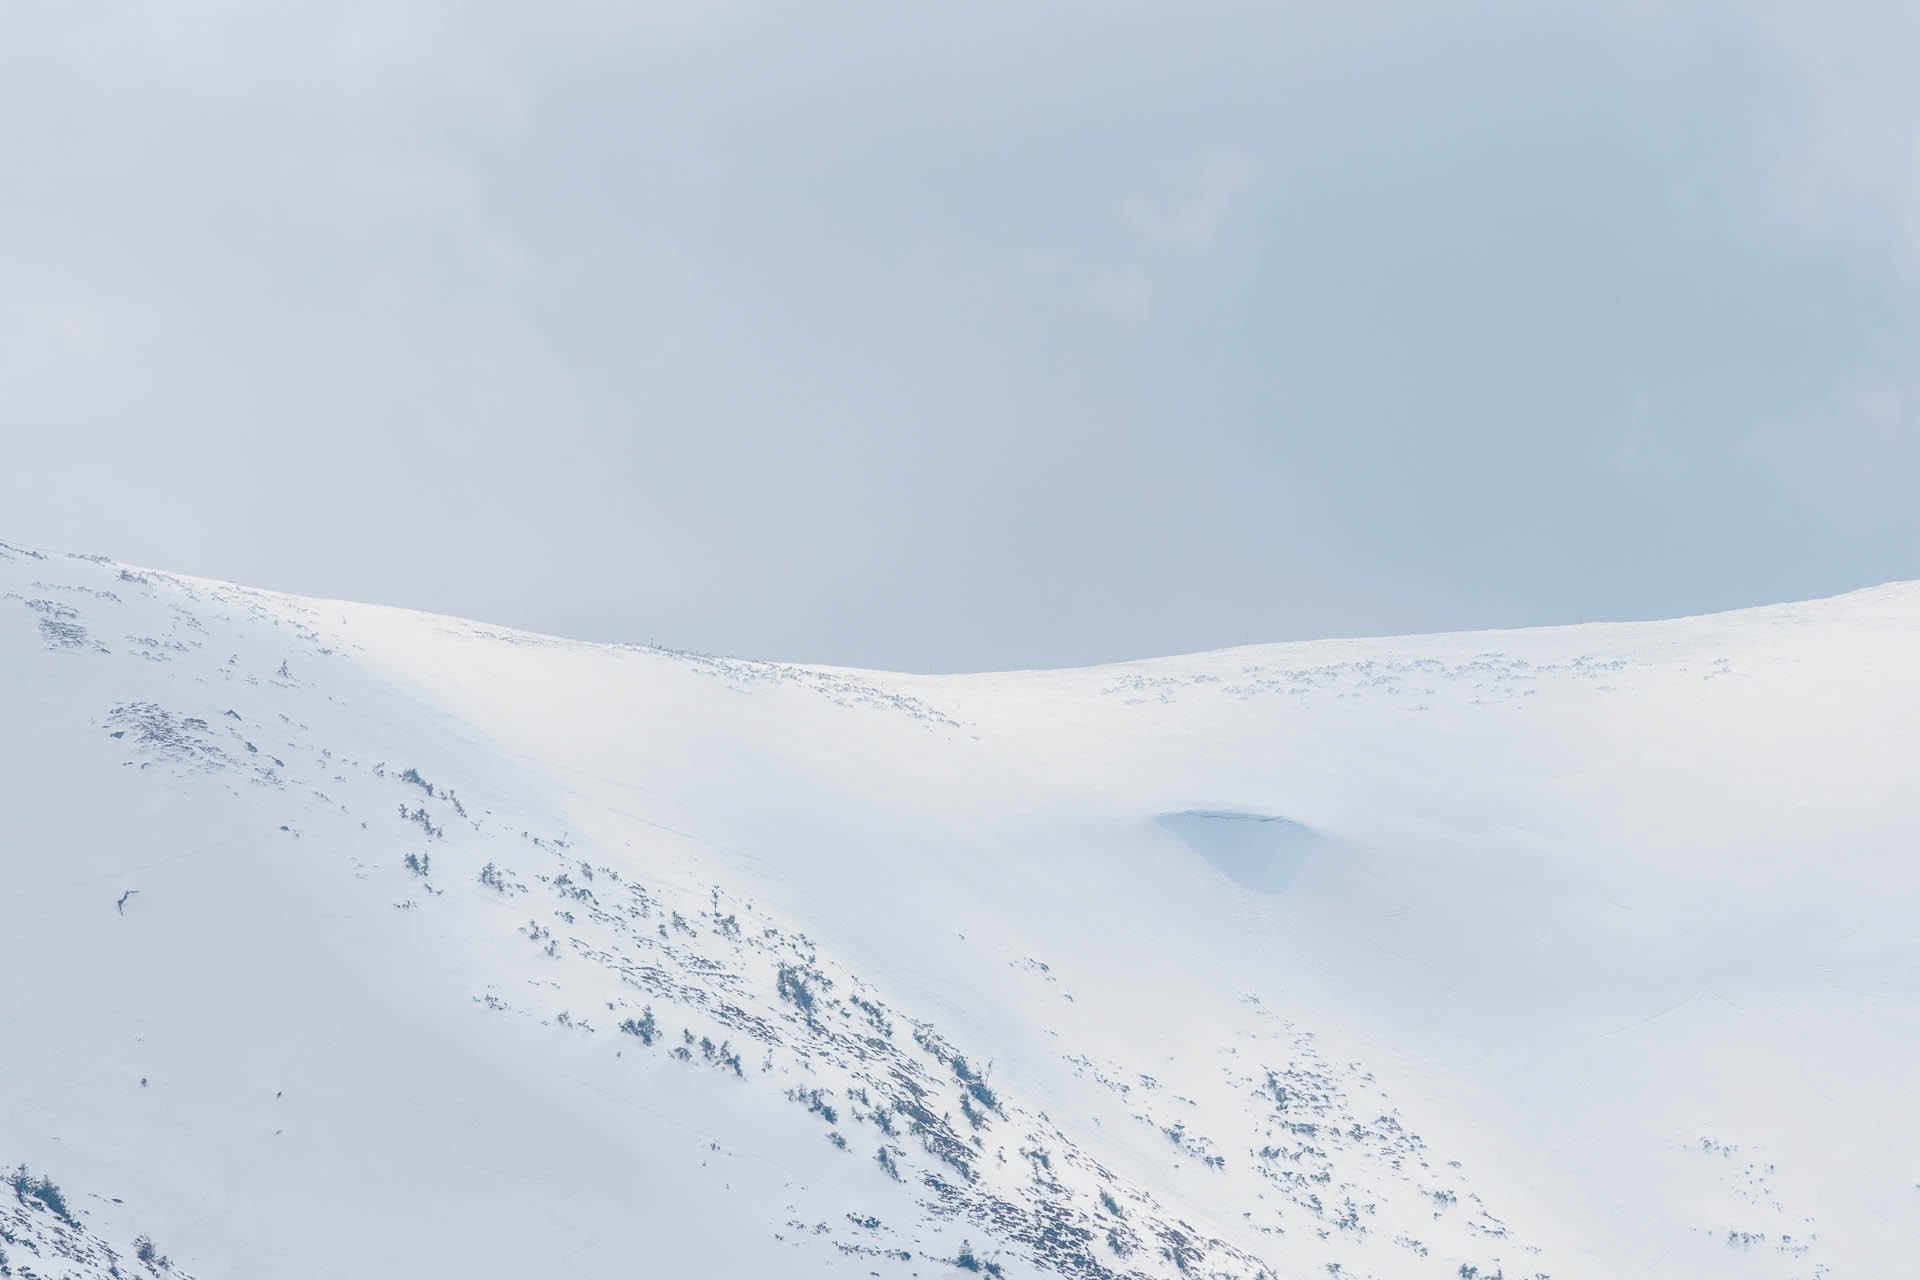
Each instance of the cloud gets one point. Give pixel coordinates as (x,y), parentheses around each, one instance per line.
(758,291)
(1194,201)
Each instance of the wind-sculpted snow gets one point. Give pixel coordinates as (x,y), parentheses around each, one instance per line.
(1485,677)
(740,674)
(722,967)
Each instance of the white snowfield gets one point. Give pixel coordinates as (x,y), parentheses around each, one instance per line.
(345,941)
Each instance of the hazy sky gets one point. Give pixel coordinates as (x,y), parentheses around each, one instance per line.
(971,334)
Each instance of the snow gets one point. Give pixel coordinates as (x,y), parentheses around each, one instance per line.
(1571,952)
(1257,851)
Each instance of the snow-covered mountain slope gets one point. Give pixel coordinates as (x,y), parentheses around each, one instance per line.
(347,941)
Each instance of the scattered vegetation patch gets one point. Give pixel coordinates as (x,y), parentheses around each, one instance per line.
(144,1250)
(29,1190)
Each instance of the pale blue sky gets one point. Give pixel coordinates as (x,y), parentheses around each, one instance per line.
(969,335)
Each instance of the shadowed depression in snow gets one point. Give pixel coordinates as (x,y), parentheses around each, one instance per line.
(1255,851)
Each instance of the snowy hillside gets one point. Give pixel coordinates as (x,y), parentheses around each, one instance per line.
(343,941)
